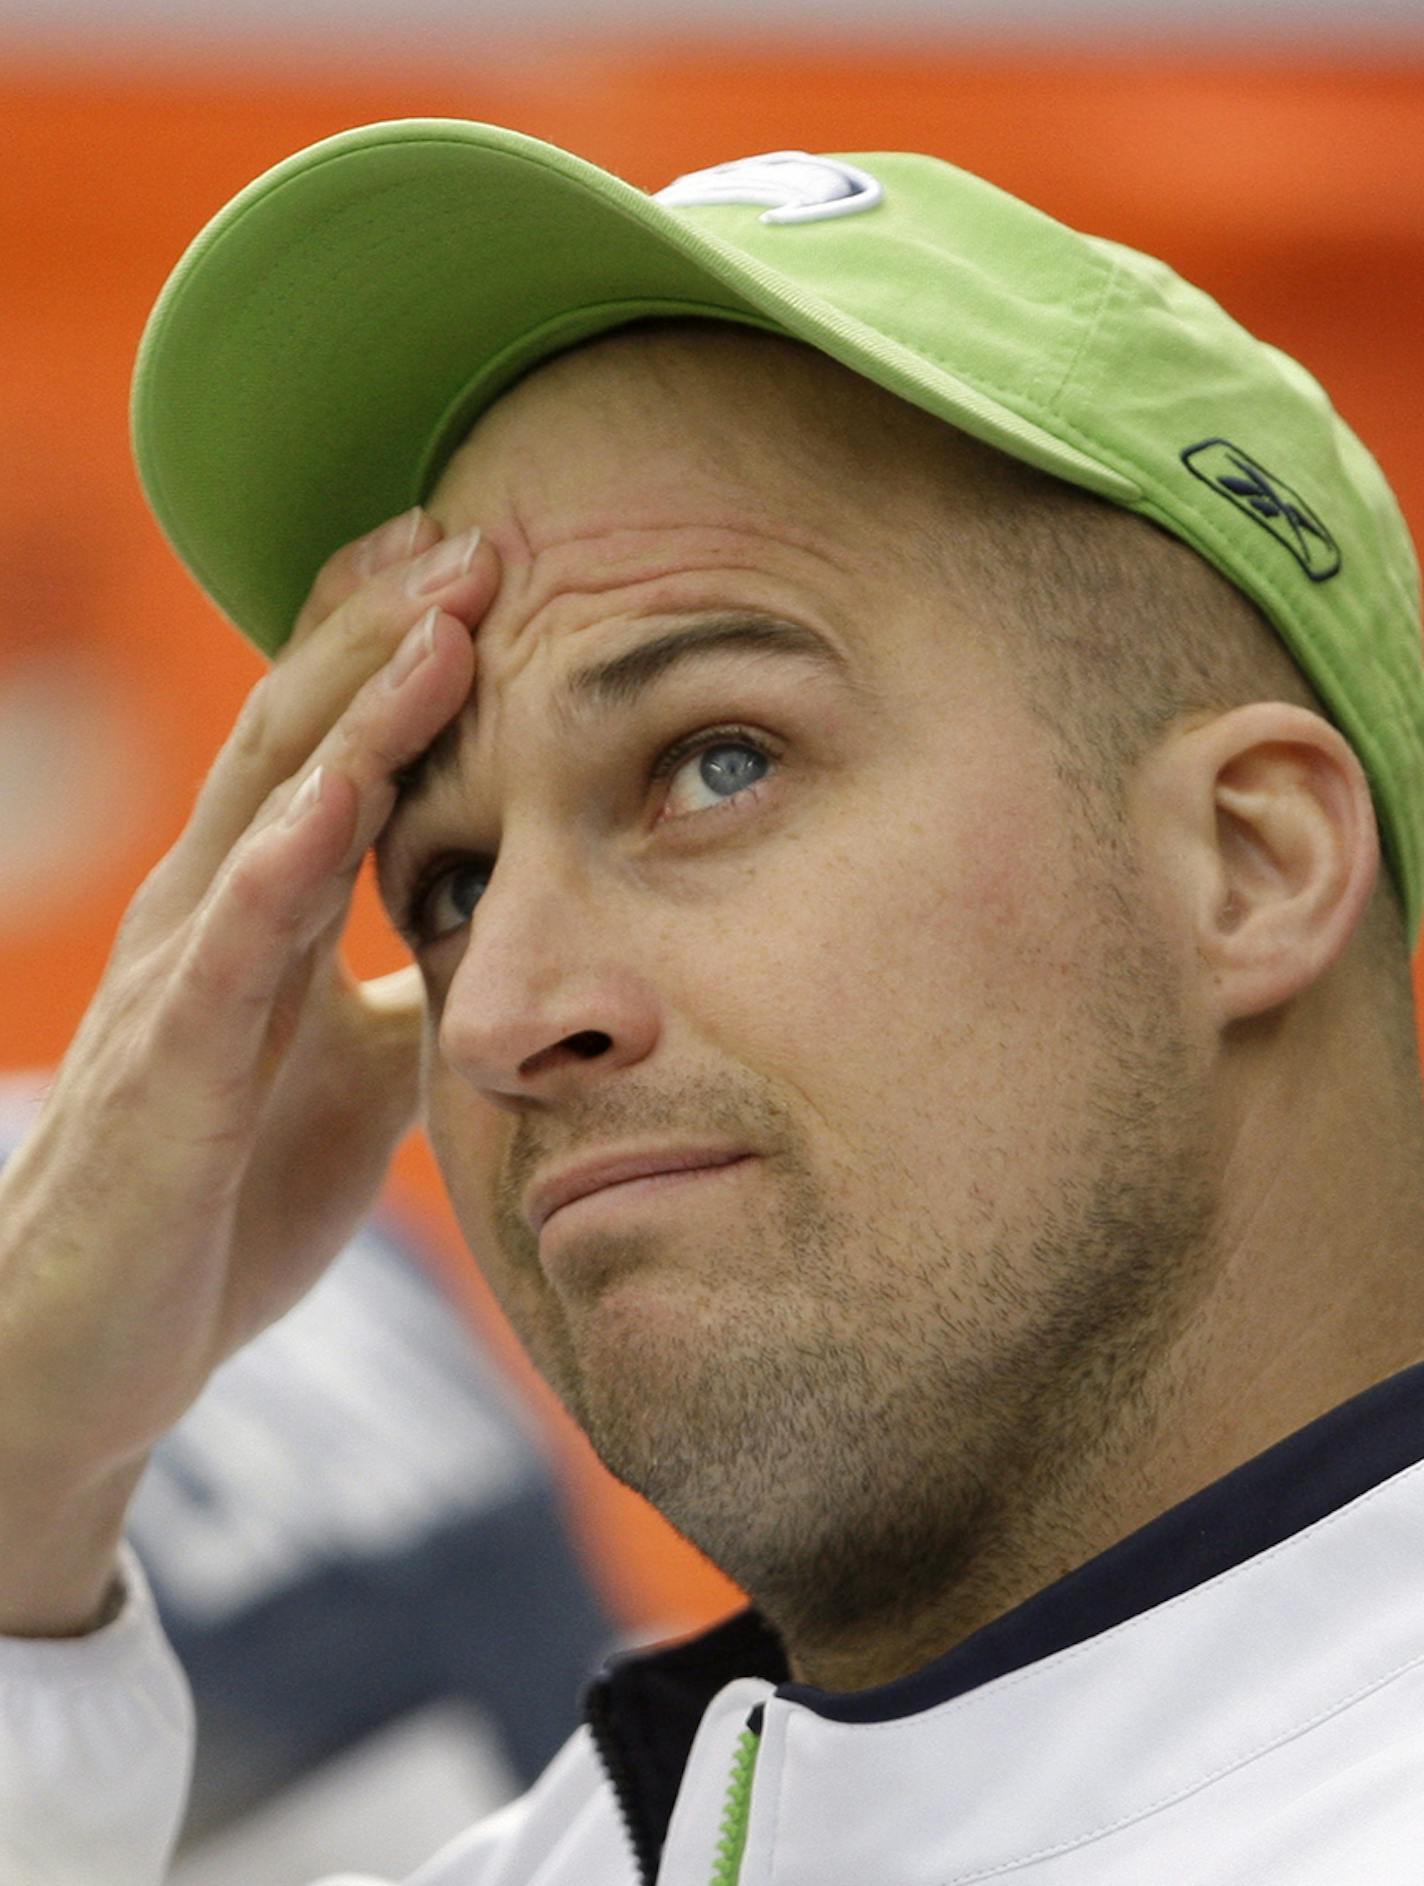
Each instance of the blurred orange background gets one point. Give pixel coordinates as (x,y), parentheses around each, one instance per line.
(1290,192)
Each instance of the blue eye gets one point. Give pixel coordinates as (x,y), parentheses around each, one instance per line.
(726,765)
(445,900)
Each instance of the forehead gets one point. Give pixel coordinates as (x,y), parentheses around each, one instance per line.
(670,424)
(694,470)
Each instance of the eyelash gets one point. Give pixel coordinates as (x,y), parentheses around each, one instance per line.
(670,761)
(665,766)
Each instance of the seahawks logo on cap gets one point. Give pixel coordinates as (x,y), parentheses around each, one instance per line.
(1269,501)
(801,188)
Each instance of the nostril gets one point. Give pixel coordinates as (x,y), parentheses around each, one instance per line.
(587,1044)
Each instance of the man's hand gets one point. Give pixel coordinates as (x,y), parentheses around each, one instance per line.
(230,1104)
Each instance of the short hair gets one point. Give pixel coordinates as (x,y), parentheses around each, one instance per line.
(1124,630)
(1131,628)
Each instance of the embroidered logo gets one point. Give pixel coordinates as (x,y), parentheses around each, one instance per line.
(799,187)
(1269,501)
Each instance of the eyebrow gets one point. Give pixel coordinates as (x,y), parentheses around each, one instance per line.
(604,687)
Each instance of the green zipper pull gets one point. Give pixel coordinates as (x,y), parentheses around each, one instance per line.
(733,1837)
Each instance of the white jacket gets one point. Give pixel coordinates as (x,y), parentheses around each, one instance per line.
(1232,1697)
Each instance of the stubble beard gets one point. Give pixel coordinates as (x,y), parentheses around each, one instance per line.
(850,1451)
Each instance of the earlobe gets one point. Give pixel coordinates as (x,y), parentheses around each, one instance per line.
(1285,856)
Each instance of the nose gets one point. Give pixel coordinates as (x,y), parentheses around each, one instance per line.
(545,1000)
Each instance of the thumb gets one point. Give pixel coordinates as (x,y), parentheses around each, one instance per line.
(398,998)
(386,1018)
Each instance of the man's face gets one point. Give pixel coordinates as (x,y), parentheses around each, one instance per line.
(854,928)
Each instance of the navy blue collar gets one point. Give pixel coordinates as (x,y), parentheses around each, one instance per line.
(1300,1480)
(646,1707)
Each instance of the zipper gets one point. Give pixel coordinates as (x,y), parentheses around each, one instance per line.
(597,1716)
(732,1839)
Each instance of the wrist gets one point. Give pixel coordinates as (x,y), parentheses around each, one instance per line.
(59,1559)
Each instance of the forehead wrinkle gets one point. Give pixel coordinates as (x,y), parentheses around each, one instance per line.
(682,582)
(536,589)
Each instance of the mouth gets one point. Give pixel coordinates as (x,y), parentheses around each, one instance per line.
(619,1200)
(560,1188)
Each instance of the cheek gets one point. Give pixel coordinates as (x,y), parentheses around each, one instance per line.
(459,1123)
(915,933)
(926,991)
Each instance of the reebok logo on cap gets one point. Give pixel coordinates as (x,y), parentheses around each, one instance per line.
(801,188)
(1268,501)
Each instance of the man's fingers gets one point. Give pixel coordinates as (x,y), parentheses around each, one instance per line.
(396,715)
(307,692)
(290,878)
(294,706)
(277,891)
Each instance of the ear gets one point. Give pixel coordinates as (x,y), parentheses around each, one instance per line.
(1261,824)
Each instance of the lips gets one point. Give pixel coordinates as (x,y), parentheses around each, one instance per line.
(572,1182)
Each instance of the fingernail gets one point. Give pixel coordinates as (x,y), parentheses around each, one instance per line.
(414,648)
(306,799)
(389,542)
(442,563)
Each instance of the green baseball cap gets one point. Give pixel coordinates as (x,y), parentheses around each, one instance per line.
(327,341)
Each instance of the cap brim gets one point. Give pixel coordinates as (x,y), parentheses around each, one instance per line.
(330,337)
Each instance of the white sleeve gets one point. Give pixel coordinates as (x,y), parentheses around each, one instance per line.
(96,1745)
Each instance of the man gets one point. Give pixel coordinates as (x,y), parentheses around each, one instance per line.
(910,1014)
